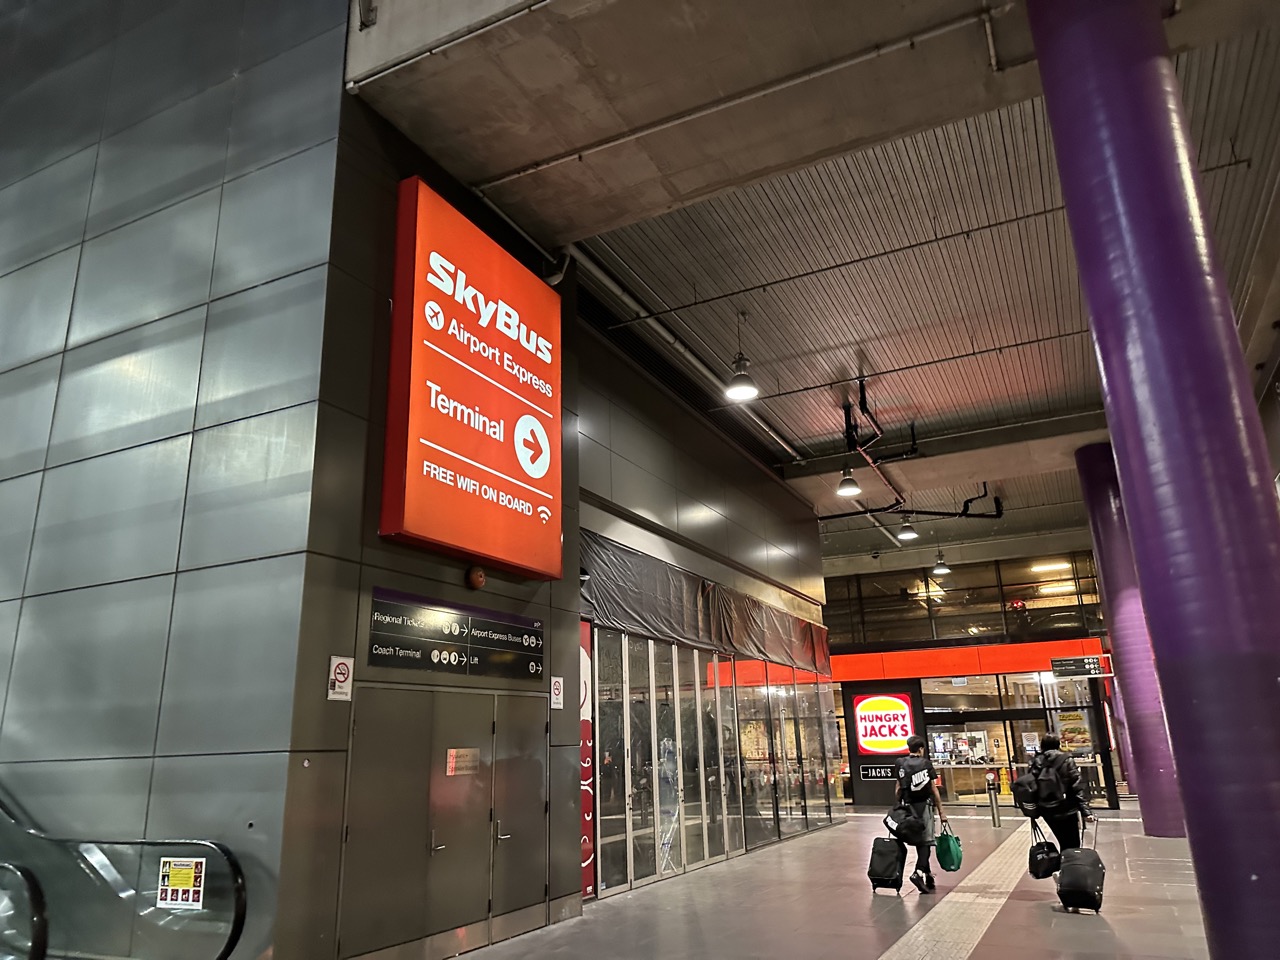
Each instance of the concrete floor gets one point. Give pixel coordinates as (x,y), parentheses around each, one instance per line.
(808,898)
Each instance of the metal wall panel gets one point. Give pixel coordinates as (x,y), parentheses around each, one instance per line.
(26,410)
(18,499)
(149,269)
(330,607)
(58,115)
(595,467)
(593,408)
(173,155)
(639,491)
(110,518)
(639,444)
(57,34)
(384,871)
(77,798)
(565,821)
(86,673)
(287,104)
(306,919)
(45,212)
(364,216)
(182,48)
(338,484)
(128,389)
(701,524)
(275,221)
(350,330)
(279,25)
(250,489)
(564,658)
(8,634)
(262,349)
(238,800)
(35,305)
(232,658)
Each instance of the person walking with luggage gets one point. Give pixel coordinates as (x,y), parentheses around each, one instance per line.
(1062,800)
(917,789)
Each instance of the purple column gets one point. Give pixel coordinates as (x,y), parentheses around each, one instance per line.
(1151,763)
(1122,737)
(1203,515)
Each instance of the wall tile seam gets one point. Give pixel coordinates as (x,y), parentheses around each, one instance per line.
(285,751)
(193,432)
(427,554)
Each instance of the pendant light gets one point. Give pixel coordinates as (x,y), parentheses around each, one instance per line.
(848,486)
(907,531)
(741,387)
(940,568)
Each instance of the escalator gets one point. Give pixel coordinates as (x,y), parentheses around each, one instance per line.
(80,899)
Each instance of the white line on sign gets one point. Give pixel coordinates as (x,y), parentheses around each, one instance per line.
(467,366)
(481,466)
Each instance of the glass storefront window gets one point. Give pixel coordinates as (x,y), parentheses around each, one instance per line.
(895,607)
(692,786)
(759,800)
(734,770)
(1065,693)
(667,756)
(832,707)
(644,855)
(611,761)
(960,694)
(1022,691)
(786,750)
(963,755)
(809,717)
(713,775)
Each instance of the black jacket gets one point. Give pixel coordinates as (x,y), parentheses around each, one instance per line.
(1068,773)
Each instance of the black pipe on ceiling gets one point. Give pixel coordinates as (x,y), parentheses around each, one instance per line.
(899,508)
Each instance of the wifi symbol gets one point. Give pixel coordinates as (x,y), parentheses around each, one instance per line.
(545,514)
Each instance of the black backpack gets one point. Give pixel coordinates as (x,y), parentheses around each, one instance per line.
(1039,792)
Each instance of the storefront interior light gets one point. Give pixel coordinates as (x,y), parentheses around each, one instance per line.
(848,486)
(1057,588)
(1054,567)
(907,531)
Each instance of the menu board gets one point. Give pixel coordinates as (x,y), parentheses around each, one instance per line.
(411,634)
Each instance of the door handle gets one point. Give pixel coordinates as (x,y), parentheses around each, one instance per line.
(502,836)
(434,846)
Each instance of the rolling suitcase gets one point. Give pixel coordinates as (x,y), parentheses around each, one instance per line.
(1081,877)
(888,859)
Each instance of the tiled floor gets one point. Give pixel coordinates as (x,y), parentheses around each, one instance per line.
(808,899)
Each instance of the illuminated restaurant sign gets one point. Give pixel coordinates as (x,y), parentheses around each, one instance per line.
(472,461)
(883,723)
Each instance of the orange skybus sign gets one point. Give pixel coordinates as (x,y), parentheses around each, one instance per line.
(472,462)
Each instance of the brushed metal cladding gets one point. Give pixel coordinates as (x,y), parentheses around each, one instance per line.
(176,51)
(18,500)
(566,908)
(384,870)
(644,494)
(110,518)
(517,922)
(59,114)
(338,477)
(8,635)
(87,670)
(276,220)
(26,410)
(519,805)
(564,660)
(262,349)
(171,156)
(565,820)
(596,467)
(250,490)
(35,307)
(280,25)
(145,270)
(311,856)
(459,800)
(287,104)
(236,799)
(346,370)
(45,212)
(330,608)
(76,798)
(128,389)
(239,624)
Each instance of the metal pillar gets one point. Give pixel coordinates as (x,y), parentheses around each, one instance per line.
(1123,743)
(1153,771)
(1202,511)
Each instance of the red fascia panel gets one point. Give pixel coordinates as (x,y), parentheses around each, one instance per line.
(939,662)
(958,661)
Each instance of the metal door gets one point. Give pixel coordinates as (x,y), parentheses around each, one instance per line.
(385,858)
(459,812)
(519,804)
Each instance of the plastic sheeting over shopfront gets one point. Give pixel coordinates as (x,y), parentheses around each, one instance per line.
(633,592)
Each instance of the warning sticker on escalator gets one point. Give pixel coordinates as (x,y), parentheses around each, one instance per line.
(181,884)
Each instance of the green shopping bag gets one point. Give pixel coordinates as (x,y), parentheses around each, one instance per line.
(949,851)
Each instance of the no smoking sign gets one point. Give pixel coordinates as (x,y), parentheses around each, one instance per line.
(340,674)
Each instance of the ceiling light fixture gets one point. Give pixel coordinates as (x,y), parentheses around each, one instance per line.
(1057,588)
(848,486)
(741,387)
(907,531)
(941,569)
(1051,567)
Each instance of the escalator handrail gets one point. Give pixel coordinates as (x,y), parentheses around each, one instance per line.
(39,917)
(238,894)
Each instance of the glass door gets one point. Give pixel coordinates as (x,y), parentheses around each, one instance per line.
(667,756)
(731,758)
(759,792)
(612,803)
(713,772)
(791,799)
(640,767)
(692,778)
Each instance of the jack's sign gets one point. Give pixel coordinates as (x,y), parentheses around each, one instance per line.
(472,461)
(883,723)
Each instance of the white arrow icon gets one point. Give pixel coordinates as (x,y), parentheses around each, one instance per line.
(533,449)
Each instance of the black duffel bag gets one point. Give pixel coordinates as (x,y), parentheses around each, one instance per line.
(904,825)
(1044,860)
